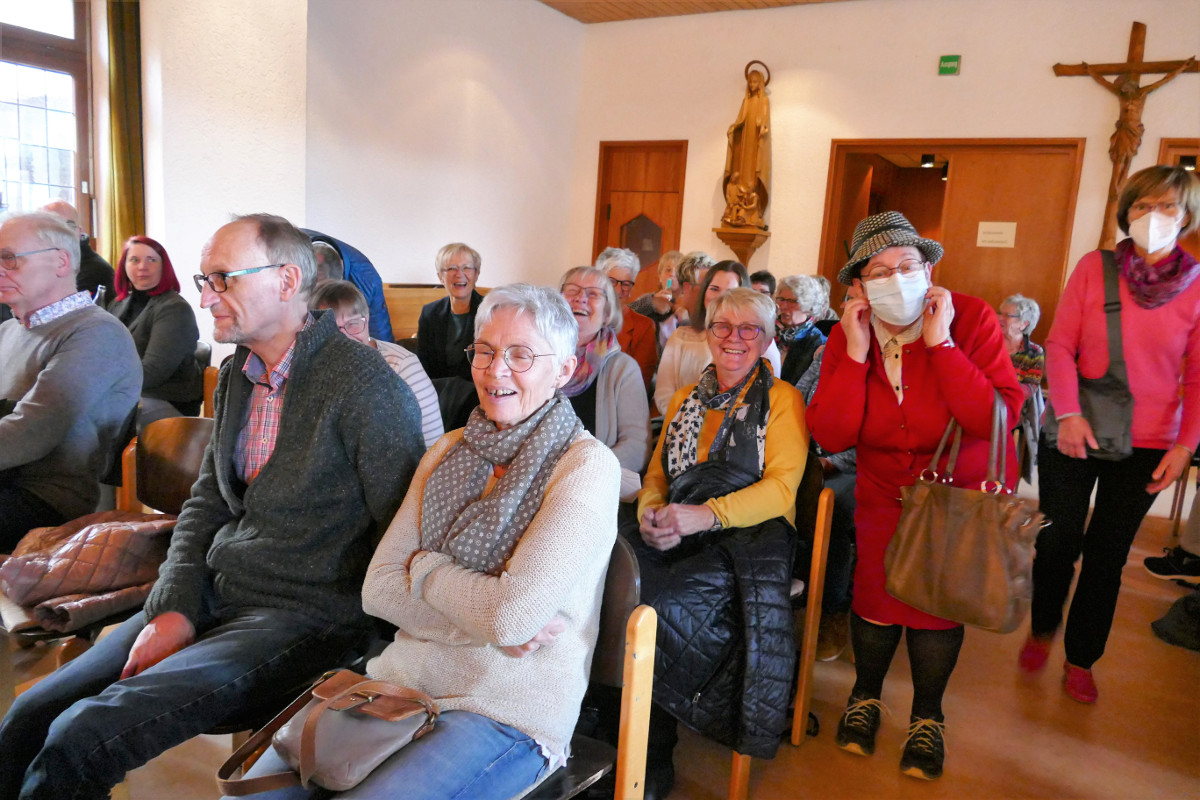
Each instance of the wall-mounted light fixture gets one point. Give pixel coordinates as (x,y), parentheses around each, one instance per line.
(1188,163)
(946,171)
(927,160)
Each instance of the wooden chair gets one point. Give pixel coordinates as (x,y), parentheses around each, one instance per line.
(210,389)
(814,512)
(158,470)
(624,659)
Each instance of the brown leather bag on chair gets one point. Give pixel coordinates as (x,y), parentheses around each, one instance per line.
(961,553)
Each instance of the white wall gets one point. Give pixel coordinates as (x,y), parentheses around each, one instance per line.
(868,69)
(223,99)
(434,122)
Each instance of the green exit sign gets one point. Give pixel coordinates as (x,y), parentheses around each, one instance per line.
(949,65)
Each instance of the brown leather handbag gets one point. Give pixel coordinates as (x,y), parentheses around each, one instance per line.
(342,727)
(962,553)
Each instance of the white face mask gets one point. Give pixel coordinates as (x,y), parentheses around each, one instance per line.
(1155,231)
(898,299)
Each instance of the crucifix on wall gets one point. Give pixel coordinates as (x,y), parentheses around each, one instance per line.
(1126,85)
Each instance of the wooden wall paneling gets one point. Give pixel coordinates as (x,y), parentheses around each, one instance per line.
(851,199)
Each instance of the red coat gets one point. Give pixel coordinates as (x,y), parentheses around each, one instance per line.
(639,338)
(855,406)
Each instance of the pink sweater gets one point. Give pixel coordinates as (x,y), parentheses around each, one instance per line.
(1156,343)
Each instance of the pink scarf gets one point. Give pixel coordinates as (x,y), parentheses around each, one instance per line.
(591,356)
(1153,285)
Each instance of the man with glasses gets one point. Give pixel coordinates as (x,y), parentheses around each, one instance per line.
(314,443)
(69,379)
(638,334)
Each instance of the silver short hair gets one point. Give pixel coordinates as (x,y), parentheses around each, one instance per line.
(53,231)
(618,257)
(551,314)
(809,295)
(1027,309)
(612,308)
(284,243)
(743,299)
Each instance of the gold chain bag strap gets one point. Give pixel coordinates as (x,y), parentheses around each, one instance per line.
(334,734)
(965,554)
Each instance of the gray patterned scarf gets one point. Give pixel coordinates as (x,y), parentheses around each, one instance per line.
(482,532)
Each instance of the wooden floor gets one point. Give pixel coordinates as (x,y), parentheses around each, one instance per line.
(1007,736)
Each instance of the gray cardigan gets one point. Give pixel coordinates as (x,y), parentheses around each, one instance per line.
(75,380)
(300,536)
(623,412)
(165,334)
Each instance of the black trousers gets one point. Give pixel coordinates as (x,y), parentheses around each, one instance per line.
(1065,487)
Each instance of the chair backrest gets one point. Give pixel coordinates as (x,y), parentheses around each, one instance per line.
(807,496)
(203,354)
(210,388)
(622,592)
(169,453)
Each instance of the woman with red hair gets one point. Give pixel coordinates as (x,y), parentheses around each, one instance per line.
(164,330)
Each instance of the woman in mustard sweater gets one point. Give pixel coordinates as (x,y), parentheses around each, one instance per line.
(715,543)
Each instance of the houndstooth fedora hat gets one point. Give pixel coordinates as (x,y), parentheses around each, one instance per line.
(879,232)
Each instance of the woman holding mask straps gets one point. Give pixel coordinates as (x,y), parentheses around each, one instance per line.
(1160,331)
(906,357)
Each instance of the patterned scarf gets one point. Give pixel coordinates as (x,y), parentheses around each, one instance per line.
(785,335)
(744,428)
(1153,285)
(590,358)
(482,532)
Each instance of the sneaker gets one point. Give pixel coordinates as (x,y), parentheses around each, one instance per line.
(1079,684)
(1175,564)
(925,749)
(1034,653)
(833,635)
(857,728)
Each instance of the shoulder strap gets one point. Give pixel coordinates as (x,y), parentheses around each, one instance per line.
(1112,313)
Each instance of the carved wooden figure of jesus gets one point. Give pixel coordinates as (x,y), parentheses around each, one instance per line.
(747,178)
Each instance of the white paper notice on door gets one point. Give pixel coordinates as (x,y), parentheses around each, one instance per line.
(997,234)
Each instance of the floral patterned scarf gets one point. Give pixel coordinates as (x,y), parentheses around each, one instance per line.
(590,358)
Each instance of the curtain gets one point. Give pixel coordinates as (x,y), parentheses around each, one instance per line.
(123,207)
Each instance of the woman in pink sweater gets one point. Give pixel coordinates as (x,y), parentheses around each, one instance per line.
(1160,329)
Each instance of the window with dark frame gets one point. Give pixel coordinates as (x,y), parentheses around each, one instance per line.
(45,135)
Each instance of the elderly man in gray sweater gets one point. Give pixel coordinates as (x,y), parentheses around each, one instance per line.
(313,447)
(69,379)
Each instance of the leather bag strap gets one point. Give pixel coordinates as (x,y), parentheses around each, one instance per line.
(238,787)
(1112,314)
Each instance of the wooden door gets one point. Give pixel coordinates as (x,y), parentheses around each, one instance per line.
(1030,182)
(1169,151)
(640,179)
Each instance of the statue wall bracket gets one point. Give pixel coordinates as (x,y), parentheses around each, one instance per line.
(743,241)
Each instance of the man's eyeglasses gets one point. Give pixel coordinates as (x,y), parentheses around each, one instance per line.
(518,357)
(573,290)
(219,281)
(626,285)
(747,332)
(8,259)
(904,268)
(353,326)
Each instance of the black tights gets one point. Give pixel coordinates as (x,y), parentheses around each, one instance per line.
(931,656)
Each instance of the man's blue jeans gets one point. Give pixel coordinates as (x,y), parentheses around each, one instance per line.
(77,732)
(465,757)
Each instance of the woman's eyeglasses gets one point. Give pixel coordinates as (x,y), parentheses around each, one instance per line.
(747,332)
(573,290)
(353,326)
(518,357)
(881,272)
(626,285)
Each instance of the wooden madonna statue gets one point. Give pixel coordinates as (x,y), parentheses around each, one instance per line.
(747,181)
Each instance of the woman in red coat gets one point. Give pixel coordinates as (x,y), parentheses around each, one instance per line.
(906,357)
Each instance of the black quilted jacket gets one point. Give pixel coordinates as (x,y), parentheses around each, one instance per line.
(726,646)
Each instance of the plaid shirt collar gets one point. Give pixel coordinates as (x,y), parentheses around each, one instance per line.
(255,368)
(45,314)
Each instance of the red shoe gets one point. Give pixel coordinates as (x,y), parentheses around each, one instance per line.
(1034,653)
(1079,684)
